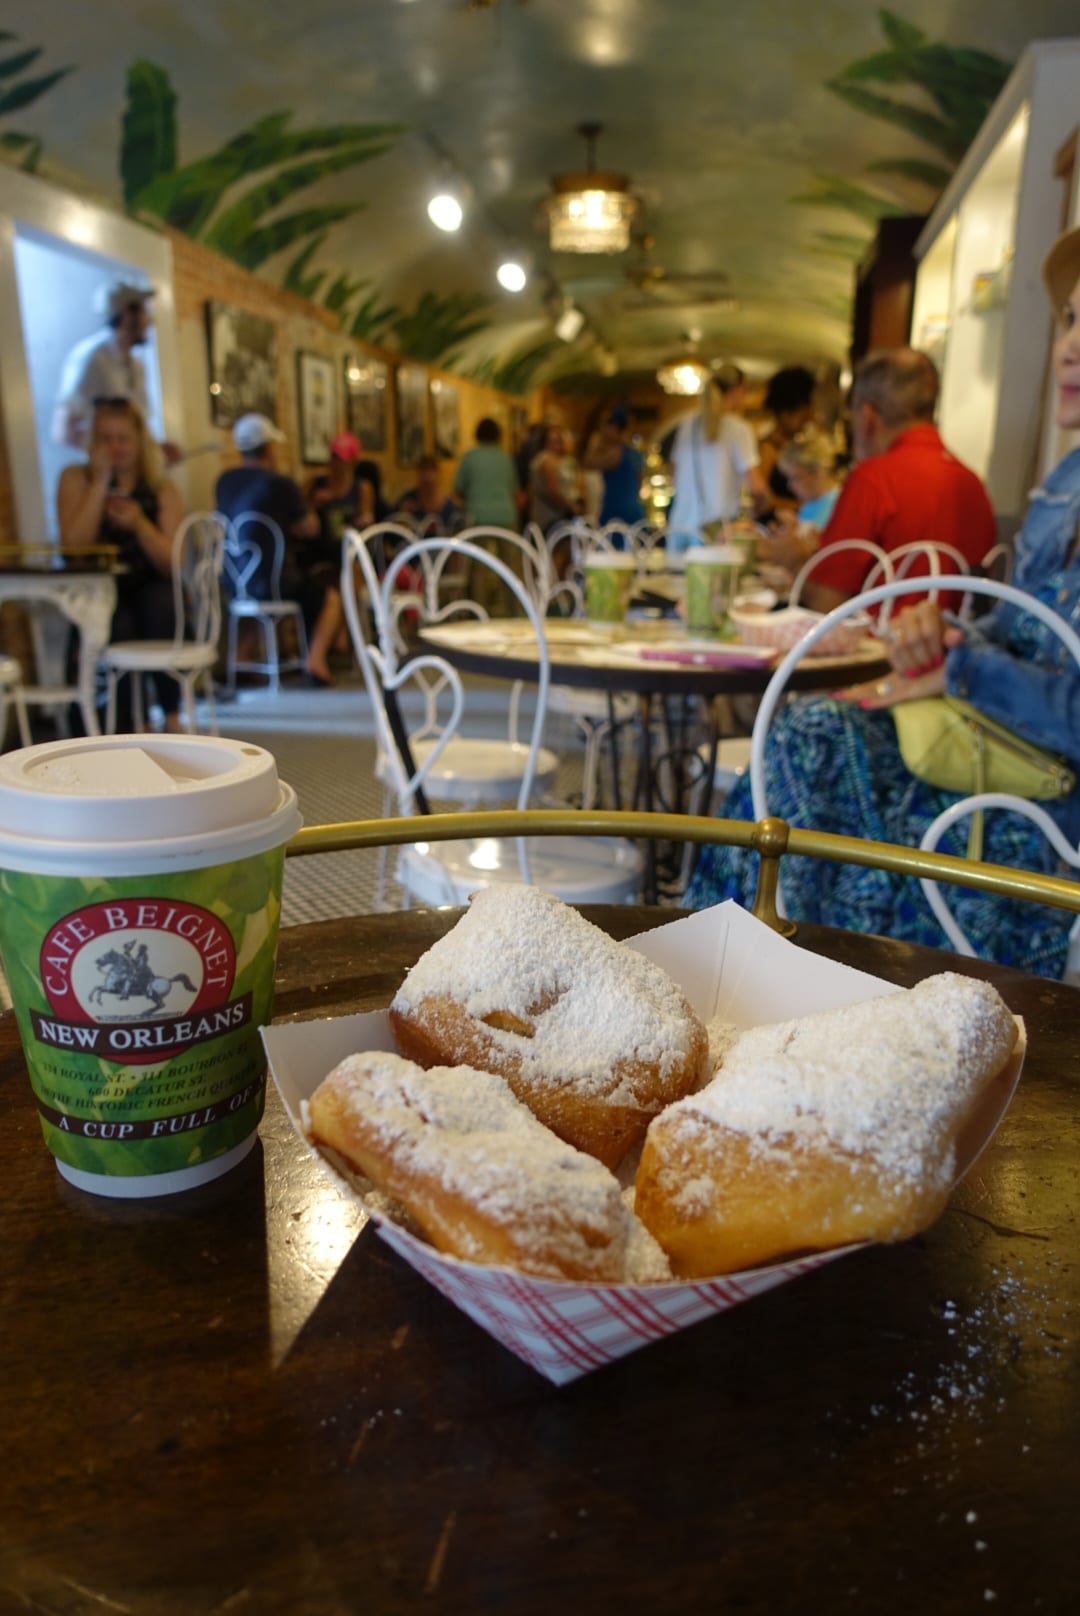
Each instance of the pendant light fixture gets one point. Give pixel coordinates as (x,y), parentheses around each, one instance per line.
(590,211)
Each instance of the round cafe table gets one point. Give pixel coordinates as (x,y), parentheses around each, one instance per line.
(662,665)
(241,1400)
(80,584)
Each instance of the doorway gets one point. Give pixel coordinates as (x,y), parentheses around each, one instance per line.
(59,287)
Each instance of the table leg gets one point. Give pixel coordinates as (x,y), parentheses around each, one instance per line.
(613,742)
(643,791)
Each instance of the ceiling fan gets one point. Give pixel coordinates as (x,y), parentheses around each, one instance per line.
(659,285)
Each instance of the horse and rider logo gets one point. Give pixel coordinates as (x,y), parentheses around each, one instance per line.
(128,974)
(137,960)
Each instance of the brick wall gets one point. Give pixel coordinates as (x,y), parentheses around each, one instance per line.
(201,276)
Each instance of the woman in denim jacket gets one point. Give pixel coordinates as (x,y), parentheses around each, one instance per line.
(1010,666)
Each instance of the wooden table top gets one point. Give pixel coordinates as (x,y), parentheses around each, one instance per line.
(592,658)
(225,1403)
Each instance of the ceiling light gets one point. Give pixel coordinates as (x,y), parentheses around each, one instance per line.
(445,211)
(511,275)
(569,323)
(684,376)
(591,211)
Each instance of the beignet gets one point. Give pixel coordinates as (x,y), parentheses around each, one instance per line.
(590,1035)
(833,1128)
(481,1177)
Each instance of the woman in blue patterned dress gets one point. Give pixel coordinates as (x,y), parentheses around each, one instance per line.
(834,764)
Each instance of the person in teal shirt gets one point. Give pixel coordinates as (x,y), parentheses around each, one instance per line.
(486,482)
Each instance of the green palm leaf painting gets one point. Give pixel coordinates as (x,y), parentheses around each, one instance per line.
(299,277)
(960,83)
(17,92)
(939,94)
(439,324)
(372,320)
(197,198)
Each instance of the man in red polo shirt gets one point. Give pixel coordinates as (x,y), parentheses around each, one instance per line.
(906,487)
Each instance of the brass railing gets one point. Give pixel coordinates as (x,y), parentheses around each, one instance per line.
(771,838)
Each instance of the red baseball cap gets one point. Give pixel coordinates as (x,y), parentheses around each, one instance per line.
(346,446)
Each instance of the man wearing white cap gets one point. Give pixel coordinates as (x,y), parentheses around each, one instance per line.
(257,485)
(105,366)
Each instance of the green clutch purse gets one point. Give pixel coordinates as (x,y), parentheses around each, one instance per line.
(951,744)
(954,746)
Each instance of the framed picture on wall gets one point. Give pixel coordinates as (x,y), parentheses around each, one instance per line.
(243,364)
(410,393)
(317,411)
(445,419)
(366,388)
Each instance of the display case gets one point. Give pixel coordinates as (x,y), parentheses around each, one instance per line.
(980,309)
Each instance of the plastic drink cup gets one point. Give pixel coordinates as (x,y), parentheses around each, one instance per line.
(140,892)
(609,581)
(712,579)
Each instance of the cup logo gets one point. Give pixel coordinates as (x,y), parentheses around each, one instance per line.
(138,980)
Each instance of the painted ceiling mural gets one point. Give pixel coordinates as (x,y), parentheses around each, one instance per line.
(764,142)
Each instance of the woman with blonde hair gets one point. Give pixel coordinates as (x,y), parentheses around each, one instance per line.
(714,454)
(120,497)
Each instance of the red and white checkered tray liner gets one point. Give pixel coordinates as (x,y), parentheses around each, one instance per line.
(729,965)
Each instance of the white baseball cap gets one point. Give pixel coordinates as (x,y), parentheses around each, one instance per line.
(254,431)
(114,298)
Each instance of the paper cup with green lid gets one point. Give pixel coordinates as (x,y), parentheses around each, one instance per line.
(140,892)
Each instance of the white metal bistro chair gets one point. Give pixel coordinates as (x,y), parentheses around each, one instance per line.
(250,537)
(579,870)
(966,806)
(473,769)
(11,690)
(197,552)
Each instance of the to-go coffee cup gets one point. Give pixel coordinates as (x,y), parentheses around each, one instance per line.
(609,581)
(712,579)
(140,891)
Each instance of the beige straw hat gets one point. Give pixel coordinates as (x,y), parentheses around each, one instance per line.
(1061,268)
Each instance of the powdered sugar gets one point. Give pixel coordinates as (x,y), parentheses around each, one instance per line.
(887,1078)
(585,1002)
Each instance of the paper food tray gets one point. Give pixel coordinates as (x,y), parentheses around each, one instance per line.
(728,965)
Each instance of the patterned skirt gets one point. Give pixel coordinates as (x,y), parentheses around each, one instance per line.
(833,767)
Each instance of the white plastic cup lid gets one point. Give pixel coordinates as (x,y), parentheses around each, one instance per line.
(716,555)
(604,559)
(131,802)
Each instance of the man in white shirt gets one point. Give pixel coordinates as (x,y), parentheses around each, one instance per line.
(105,365)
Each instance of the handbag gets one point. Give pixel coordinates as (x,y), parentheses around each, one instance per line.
(950,744)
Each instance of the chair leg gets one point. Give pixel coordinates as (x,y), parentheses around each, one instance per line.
(187,688)
(211,703)
(110,701)
(270,653)
(22,718)
(303,650)
(230,654)
(138,705)
(593,746)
